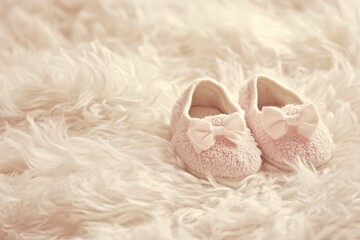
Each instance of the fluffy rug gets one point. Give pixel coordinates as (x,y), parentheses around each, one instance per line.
(86,91)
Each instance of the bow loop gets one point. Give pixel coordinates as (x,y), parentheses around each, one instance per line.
(203,134)
(276,122)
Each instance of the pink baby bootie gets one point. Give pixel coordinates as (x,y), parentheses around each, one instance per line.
(285,126)
(210,135)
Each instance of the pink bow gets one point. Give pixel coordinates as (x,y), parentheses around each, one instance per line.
(203,135)
(276,122)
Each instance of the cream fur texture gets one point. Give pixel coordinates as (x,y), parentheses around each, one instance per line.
(86,92)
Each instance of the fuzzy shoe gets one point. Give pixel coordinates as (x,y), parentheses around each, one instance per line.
(285,127)
(209,133)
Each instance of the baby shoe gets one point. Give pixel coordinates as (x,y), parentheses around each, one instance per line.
(285,126)
(210,135)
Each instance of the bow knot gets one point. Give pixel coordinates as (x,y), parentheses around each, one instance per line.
(292,120)
(203,134)
(218,130)
(276,122)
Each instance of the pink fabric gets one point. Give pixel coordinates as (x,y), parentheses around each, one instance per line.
(203,134)
(224,159)
(293,146)
(276,123)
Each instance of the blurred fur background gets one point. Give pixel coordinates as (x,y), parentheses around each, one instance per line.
(86,91)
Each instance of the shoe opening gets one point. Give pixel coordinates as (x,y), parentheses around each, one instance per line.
(270,93)
(209,100)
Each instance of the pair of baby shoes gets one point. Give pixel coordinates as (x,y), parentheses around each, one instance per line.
(212,134)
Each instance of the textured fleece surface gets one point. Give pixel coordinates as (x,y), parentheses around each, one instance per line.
(86,93)
(286,151)
(222,160)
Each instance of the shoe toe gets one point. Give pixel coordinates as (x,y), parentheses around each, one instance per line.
(285,151)
(222,160)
